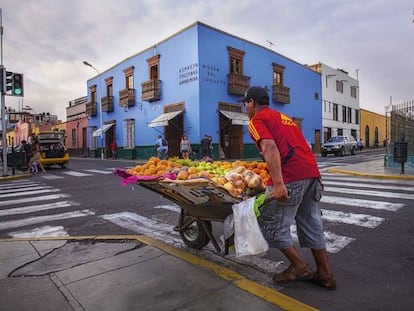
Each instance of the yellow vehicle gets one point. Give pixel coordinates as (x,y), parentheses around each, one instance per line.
(53,149)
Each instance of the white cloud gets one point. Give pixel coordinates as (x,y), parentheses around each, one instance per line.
(47,40)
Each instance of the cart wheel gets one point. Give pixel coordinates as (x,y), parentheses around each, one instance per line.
(195,236)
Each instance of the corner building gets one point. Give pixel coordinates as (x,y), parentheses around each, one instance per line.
(189,84)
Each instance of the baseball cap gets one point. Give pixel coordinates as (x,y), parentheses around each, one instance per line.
(258,93)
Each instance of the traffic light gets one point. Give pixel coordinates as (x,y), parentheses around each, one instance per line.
(17,82)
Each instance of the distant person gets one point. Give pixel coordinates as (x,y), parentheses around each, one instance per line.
(36,157)
(185,147)
(360,145)
(27,150)
(205,147)
(210,147)
(161,146)
(114,149)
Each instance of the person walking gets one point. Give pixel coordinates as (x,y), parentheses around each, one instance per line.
(185,147)
(27,151)
(36,157)
(161,146)
(205,147)
(296,187)
(114,149)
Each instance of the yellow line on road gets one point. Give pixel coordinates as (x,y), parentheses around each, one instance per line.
(381,176)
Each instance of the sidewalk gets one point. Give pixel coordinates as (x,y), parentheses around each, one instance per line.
(123,273)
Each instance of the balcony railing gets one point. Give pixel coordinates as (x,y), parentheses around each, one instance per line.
(108,103)
(151,90)
(127,97)
(237,83)
(281,94)
(91,109)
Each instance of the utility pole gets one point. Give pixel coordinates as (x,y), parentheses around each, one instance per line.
(3,105)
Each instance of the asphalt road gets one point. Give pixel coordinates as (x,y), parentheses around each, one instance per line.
(368,227)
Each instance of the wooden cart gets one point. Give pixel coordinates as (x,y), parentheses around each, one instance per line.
(201,202)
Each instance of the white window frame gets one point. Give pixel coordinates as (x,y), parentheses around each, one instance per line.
(129,134)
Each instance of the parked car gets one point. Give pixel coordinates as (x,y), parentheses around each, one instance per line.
(53,149)
(339,145)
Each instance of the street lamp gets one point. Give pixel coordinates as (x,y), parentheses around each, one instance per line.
(100,104)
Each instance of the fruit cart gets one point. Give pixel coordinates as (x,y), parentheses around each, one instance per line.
(201,202)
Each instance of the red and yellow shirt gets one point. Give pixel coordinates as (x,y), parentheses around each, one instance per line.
(298,161)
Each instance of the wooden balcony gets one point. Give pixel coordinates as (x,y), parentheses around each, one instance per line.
(237,84)
(127,97)
(151,90)
(91,109)
(108,103)
(281,94)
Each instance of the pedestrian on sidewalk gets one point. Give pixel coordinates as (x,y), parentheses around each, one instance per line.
(185,147)
(205,146)
(114,149)
(296,187)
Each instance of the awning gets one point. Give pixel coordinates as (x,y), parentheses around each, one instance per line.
(104,128)
(237,118)
(163,119)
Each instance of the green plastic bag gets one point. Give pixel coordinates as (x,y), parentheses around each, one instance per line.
(258,202)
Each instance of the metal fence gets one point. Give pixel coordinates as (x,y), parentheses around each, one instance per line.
(402,125)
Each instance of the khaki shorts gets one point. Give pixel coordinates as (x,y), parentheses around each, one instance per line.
(36,157)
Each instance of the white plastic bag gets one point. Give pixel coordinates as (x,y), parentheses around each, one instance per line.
(248,238)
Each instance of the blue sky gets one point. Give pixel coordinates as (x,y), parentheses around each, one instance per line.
(47,40)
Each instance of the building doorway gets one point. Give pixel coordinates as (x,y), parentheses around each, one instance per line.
(230,134)
(175,129)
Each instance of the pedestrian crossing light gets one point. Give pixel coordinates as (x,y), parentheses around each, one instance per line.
(8,82)
(17,89)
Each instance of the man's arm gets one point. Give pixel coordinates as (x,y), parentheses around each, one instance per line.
(271,155)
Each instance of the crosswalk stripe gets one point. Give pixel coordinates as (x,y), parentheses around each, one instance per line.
(370,193)
(364,185)
(144,225)
(36,208)
(40,219)
(172,208)
(34,199)
(76,174)
(41,232)
(31,188)
(362,220)
(99,171)
(380,205)
(51,176)
(9,195)
(17,185)
(334,243)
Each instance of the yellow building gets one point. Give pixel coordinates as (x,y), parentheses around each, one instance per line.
(373,128)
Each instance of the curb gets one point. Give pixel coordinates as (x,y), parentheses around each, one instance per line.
(266,293)
(13,177)
(379,176)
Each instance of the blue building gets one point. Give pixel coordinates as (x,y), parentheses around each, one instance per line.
(189,84)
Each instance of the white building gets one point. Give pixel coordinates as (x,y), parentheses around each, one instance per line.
(340,102)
